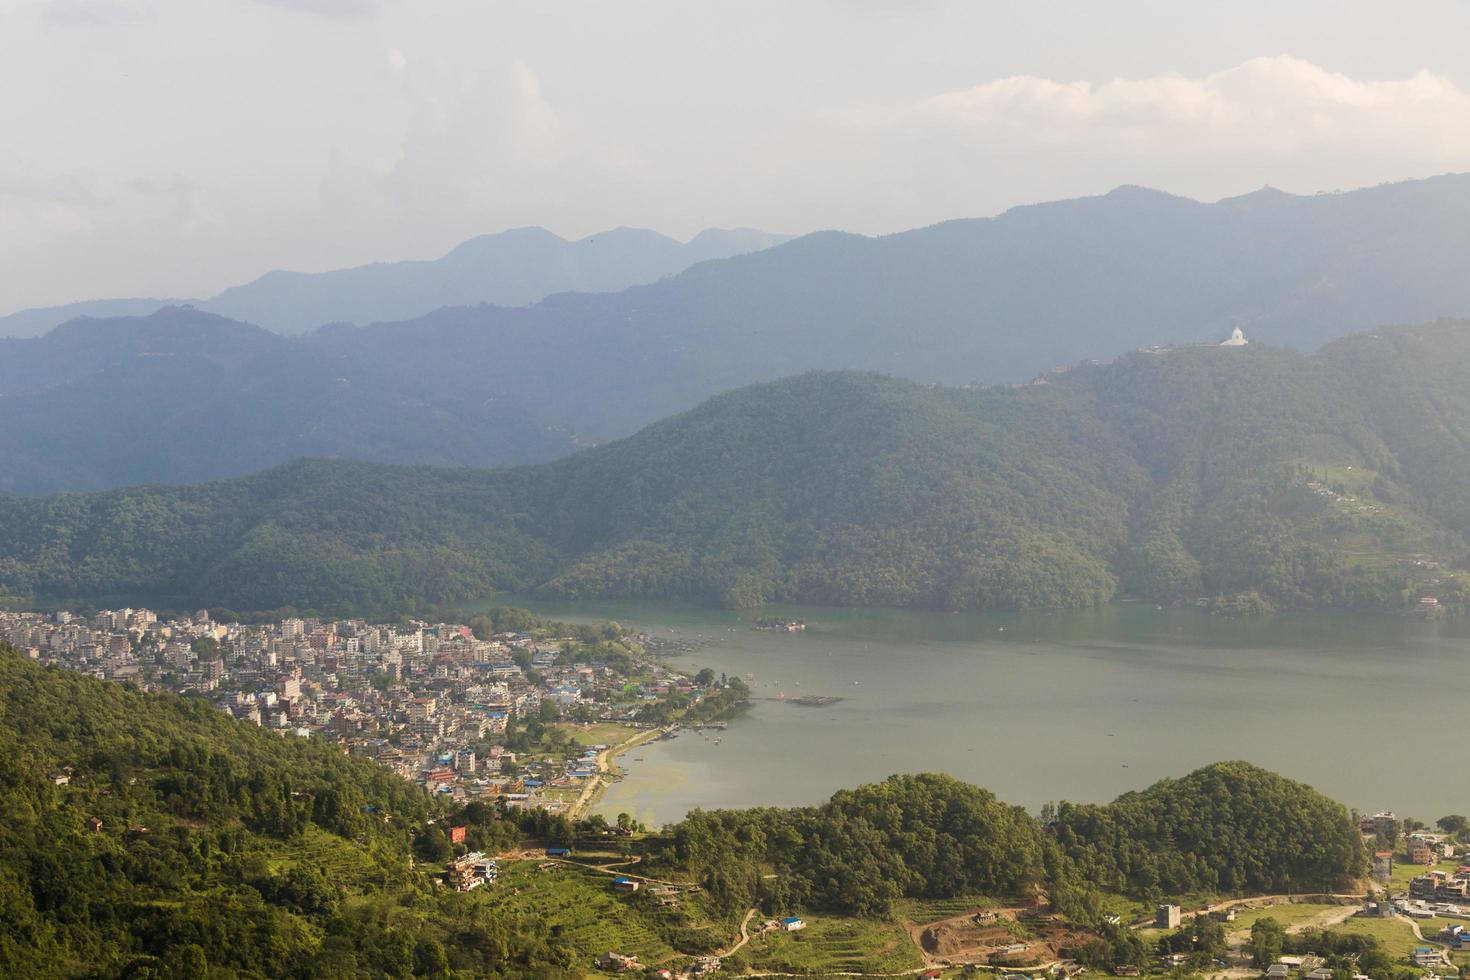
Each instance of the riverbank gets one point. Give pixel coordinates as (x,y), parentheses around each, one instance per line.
(596,787)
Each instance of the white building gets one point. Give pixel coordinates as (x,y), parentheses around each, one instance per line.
(1237,339)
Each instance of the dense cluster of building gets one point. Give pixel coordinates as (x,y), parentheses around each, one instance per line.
(428,700)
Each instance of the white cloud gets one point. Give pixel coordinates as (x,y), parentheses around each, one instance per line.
(1268,108)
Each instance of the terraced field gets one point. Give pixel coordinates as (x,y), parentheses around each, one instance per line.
(918,911)
(583,904)
(830,945)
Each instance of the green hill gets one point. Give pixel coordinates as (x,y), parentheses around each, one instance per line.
(183,841)
(1256,475)
(1229,828)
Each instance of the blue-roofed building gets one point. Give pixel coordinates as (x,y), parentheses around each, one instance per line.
(792,923)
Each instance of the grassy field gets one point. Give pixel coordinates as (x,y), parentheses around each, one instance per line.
(1397,938)
(597,733)
(1289,914)
(832,945)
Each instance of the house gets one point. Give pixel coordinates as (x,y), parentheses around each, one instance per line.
(1382,865)
(558,852)
(1176,959)
(1321,973)
(1127,970)
(1167,917)
(1422,852)
(618,963)
(456,835)
(1277,971)
(93,824)
(792,924)
(625,885)
(1426,956)
(1223,915)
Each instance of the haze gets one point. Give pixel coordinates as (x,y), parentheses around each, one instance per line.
(164,147)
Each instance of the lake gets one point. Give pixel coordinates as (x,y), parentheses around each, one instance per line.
(1080,705)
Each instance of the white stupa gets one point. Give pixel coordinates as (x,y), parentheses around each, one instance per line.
(1237,339)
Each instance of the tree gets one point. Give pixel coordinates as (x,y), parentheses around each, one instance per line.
(1454,823)
(1267,938)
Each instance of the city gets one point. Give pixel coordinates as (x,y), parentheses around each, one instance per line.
(529,714)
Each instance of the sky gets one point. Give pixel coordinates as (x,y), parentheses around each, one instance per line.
(171,148)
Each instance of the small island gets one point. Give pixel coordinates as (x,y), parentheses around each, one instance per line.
(781,625)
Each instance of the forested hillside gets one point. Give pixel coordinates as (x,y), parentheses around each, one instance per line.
(996,300)
(181,396)
(1229,828)
(1249,476)
(153,836)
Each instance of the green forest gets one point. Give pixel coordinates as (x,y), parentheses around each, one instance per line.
(1245,478)
(147,835)
(1229,828)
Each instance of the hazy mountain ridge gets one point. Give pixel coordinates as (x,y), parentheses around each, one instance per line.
(1200,471)
(984,300)
(511,268)
(183,395)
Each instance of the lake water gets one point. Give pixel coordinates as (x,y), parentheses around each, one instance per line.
(1082,706)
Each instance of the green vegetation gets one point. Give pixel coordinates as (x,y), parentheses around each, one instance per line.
(1375,947)
(153,836)
(835,945)
(1219,830)
(1259,477)
(1227,828)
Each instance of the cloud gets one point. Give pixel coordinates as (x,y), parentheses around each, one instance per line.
(94,13)
(333,9)
(1276,120)
(1267,107)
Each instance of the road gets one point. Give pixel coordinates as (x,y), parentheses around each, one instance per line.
(744,934)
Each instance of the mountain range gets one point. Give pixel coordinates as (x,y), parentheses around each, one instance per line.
(183,395)
(1249,475)
(512,268)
